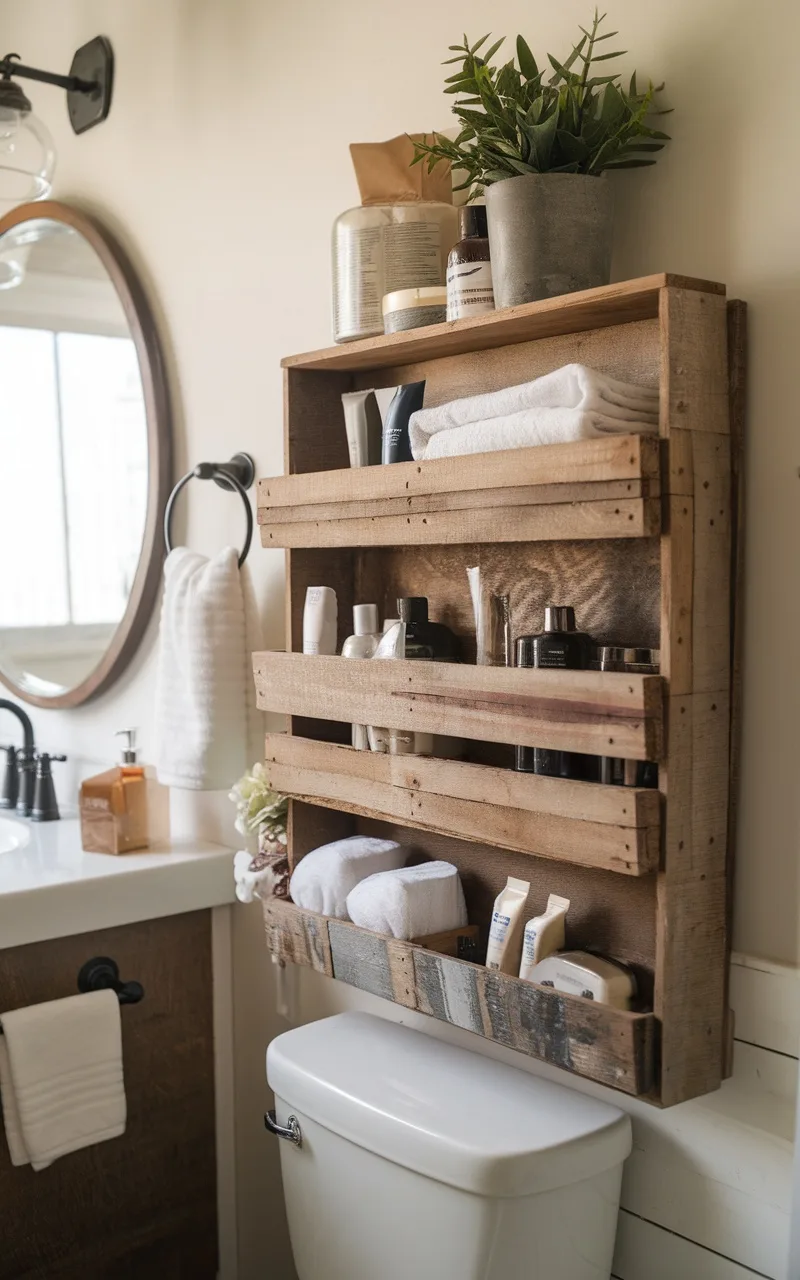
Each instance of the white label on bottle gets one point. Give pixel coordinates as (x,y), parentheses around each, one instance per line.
(469,290)
(373,261)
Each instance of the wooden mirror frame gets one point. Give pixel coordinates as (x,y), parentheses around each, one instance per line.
(144,592)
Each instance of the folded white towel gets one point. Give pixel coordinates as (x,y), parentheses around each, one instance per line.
(61,1077)
(529,427)
(410,903)
(207,724)
(575,386)
(323,878)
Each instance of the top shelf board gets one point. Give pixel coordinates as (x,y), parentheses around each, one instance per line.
(569,313)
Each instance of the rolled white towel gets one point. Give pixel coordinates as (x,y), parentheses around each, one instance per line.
(324,877)
(529,427)
(410,903)
(575,386)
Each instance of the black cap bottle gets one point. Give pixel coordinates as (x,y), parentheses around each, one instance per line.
(429,641)
(559,645)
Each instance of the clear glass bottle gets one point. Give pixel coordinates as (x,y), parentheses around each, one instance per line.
(380,248)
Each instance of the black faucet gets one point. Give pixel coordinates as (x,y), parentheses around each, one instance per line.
(19,781)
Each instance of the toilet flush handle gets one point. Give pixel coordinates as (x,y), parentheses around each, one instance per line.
(290,1131)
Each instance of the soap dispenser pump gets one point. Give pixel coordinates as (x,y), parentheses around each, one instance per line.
(113,805)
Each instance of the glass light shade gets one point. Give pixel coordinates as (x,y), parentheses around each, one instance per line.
(27,158)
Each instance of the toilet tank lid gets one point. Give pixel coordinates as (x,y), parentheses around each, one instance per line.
(445,1112)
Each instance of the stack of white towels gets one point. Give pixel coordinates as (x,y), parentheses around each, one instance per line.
(571,403)
(364,879)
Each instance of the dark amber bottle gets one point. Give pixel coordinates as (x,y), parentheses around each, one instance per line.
(469,267)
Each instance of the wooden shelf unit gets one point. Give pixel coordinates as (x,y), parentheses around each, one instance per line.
(636,534)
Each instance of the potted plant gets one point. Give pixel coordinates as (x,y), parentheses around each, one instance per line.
(540,145)
(262,812)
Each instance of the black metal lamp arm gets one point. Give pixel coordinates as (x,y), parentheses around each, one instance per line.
(9,66)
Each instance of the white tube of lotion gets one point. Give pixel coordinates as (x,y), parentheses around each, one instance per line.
(505,933)
(544,934)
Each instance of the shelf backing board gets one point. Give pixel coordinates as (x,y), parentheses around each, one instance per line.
(668,592)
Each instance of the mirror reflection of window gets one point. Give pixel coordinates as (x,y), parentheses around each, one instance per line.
(74,491)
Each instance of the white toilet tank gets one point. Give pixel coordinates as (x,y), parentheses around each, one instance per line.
(422,1161)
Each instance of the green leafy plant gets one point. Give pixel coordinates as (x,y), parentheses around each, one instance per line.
(516,121)
(258,806)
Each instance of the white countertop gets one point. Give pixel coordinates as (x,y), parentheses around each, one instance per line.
(50,888)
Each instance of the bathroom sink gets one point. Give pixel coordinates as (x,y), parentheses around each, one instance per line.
(13,834)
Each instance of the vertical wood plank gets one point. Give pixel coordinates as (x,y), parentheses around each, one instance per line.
(691,944)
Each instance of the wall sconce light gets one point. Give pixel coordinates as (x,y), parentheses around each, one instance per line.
(27,151)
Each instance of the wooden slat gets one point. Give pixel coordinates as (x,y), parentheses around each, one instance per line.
(599,713)
(617,458)
(617,518)
(613,304)
(593,1040)
(691,949)
(475,802)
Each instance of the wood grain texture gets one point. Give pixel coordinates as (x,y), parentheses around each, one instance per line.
(619,458)
(598,1042)
(614,586)
(615,518)
(613,304)
(475,802)
(143,1204)
(586,711)
(737,389)
(695,574)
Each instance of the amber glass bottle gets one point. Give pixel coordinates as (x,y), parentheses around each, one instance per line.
(469,269)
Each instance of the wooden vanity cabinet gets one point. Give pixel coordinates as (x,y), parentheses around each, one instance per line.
(143,1206)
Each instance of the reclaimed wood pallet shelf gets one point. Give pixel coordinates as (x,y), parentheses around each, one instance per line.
(636,534)
(606,488)
(611,1046)
(614,828)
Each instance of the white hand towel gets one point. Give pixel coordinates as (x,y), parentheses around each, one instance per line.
(575,386)
(529,427)
(410,903)
(207,724)
(61,1077)
(323,878)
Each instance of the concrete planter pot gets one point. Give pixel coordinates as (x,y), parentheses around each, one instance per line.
(549,233)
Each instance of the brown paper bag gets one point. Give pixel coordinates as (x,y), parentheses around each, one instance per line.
(384,174)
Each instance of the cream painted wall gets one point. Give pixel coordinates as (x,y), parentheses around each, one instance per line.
(221,168)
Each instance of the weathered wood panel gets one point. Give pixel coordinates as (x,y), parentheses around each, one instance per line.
(596,712)
(614,304)
(577,1035)
(475,802)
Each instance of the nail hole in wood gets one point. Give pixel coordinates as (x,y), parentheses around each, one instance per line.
(705,484)
(680,844)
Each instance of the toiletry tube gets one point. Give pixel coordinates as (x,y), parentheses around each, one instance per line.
(405,401)
(362,420)
(505,933)
(544,934)
(320,621)
(391,645)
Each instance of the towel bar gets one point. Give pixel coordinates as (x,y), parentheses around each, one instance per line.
(101,973)
(237,474)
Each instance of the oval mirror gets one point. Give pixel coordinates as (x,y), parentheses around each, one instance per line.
(85,456)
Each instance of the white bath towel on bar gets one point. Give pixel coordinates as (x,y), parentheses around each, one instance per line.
(529,427)
(61,1077)
(207,724)
(622,406)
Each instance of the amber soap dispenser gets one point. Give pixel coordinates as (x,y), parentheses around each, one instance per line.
(113,805)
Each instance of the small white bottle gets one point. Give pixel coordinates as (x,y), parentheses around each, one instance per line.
(544,935)
(362,644)
(320,621)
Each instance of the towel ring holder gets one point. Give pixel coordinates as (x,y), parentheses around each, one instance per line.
(236,475)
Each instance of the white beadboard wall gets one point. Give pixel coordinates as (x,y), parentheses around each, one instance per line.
(707,1189)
